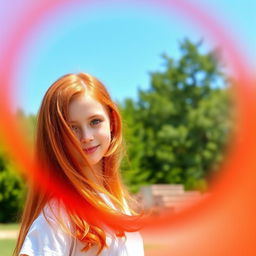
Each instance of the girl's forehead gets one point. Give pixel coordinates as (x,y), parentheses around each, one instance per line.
(85,106)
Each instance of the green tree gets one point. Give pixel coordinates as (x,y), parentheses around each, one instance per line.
(178,128)
(133,132)
(12,190)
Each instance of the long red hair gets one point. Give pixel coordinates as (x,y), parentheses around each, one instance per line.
(61,159)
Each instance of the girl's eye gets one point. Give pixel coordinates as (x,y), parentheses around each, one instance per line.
(96,121)
(74,128)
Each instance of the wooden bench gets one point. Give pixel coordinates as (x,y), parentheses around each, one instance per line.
(172,197)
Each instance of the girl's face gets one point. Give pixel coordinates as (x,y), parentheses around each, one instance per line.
(90,122)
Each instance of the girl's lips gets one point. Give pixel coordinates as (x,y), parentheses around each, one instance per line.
(90,150)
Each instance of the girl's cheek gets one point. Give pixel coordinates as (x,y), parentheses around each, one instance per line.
(105,128)
(105,135)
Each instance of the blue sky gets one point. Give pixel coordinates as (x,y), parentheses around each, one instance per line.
(120,43)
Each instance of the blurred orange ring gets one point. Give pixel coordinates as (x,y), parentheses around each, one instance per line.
(222,225)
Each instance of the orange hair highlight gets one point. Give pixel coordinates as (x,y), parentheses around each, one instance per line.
(61,159)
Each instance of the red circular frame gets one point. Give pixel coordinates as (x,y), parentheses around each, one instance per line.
(222,225)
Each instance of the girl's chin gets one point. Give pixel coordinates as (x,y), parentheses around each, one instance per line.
(94,162)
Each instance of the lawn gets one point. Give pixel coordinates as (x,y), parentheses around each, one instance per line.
(7,246)
(9,226)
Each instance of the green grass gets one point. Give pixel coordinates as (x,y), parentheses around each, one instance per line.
(7,246)
(9,226)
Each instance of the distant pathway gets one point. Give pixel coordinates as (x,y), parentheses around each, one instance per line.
(8,234)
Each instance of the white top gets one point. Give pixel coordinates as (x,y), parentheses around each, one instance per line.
(49,239)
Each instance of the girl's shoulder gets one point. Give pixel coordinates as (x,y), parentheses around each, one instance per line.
(46,236)
(53,215)
(55,211)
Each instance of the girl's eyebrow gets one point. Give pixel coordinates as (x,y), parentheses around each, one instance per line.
(94,116)
(91,117)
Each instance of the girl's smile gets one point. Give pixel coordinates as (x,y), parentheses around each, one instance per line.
(90,150)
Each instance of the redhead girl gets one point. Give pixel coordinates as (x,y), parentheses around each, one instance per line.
(77,204)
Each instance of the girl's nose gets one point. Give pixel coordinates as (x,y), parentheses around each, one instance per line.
(87,136)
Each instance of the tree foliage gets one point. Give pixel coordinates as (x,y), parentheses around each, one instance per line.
(12,190)
(179,126)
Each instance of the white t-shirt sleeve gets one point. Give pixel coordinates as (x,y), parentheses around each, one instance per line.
(47,238)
